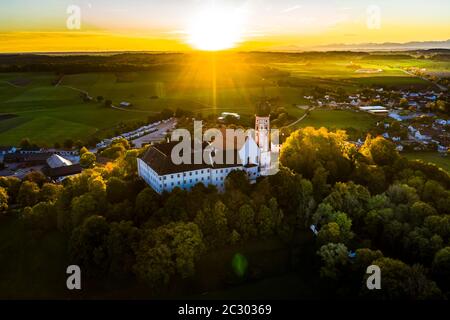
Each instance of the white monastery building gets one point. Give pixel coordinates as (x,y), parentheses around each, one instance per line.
(253,156)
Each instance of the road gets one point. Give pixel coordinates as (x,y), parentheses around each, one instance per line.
(300,119)
(156,136)
(443,88)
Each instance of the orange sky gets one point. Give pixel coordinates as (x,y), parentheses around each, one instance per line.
(41,26)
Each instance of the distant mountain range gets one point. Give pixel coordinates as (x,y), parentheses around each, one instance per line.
(414,45)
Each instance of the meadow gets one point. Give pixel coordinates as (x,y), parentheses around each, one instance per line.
(33,106)
(431,157)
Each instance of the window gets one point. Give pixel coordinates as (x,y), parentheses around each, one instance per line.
(190,173)
(171,176)
(178,175)
(202,171)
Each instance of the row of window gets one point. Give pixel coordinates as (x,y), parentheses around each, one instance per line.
(195,172)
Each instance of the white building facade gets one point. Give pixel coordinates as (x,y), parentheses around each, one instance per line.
(157,169)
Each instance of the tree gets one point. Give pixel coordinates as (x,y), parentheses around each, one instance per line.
(441,267)
(50,192)
(82,207)
(268,219)
(83,150)
(168,249)
(365,258)
(419,211)
(246,222)
(28,194)
(402,194)
(116,190)
(25,143)
(307,149)
(41,218)
(87,160)
(12,187)
(131,161)
(319,181)
(237,180)
(335,258)
(147,203)
(88,246)
(115,151)
(330,233)
(294,195)
(37,177)
(3,200)
(380,151)
(122,242)
(214,225)
(403,103)
(108,103)
(400,281)
(351,199)
(154,265)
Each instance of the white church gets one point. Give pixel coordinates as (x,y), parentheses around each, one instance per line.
(253,156)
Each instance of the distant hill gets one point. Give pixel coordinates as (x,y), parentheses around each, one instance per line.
(415,45)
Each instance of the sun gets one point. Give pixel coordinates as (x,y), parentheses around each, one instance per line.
(215,29)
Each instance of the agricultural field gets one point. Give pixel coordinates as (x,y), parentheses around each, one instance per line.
(47,108)
(351,75)
(47,114)
(339,119)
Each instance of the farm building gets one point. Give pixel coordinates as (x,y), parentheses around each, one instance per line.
(125,104)
(378,110)
(56,161)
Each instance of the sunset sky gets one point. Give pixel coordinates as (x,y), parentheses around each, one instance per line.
(111,25)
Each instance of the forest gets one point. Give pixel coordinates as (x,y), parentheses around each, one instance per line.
(369,205)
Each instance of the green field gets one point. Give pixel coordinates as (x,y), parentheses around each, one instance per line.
(339,119)
(348,73)
(46,113)
(433,157)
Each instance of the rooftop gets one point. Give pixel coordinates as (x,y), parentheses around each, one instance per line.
(158,157)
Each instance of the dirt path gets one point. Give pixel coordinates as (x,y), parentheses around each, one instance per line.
(12,84)
(443,88)
(299,119)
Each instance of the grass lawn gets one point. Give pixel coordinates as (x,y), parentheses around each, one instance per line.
(47,114)
(433,157)
(339,119)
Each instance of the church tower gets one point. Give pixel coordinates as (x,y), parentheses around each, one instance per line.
(262,137)
(262,132)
